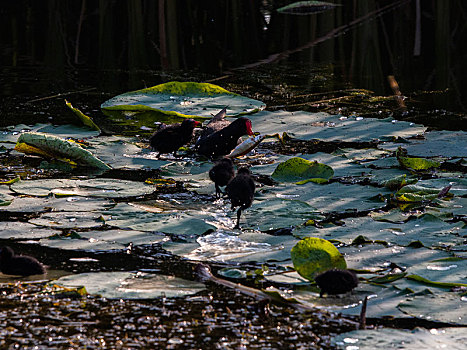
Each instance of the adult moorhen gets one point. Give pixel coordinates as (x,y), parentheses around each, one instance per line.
(336,281)
(222,142)
(216,123)
(241,191)
(170,138)
(221,173)
(23,265)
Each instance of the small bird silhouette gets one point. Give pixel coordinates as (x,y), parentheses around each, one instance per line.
(241,191)
(23,265)
(336,281)
(170,138)
(221,173)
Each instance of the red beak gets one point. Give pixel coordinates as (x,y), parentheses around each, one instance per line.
(248,128)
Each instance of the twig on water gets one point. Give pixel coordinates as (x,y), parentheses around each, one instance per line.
(60,95)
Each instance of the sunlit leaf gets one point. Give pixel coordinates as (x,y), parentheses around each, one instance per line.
(301,171)
(183,99)
(84,118)
(311,256)
(55,147)
(415,163)
(131,285)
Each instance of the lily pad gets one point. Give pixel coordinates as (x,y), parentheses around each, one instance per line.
(52,146)
(103,240)
(131,285)
(443,307)
(415,163)
(39,204)
(311,256)
(23,231)
(308,126)
(182,100)
(301,171)
(102,188)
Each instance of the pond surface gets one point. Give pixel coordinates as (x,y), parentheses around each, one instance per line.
(134,234)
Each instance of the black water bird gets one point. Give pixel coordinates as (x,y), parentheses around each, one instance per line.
(222,173)
(336,281)
(222,142)
(170,138)
(22,265)
(241,191)
(216,123)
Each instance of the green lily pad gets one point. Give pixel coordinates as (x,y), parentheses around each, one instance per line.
(39,204)
(69,220)
(308,126)
(131,285)
(103,240)
(440,144)
(311,256)
(23,231)
(443,307)
(55,147)
(301,171)
(415,163)
(416,193)
(101,188)
(182,100)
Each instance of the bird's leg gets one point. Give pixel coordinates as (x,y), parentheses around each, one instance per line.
(158,155)
(175,154)
(239,212)
(218,192)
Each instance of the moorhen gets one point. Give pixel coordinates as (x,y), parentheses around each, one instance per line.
(216,123)
(336,281)
(23,265)
(241,191)
(222,142)
(221,173)
(170,138)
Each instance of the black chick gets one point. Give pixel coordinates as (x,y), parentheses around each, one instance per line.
(23,265)
(170,138)
(241,191)
(336,281)
(221,173)
(222,142)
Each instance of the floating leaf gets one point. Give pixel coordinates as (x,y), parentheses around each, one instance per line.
(311,256)
(181,100)
(415,193)
(306,7)
(301,171)
(52,146)
(433,283)
(84,118)
(415,163)
(130,285)
(398,182)
(444,307)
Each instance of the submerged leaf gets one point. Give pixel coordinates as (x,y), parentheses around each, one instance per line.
(306,7)
(312,255)
(301,171)
(55,147)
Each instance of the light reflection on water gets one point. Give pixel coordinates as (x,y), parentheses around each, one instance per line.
(224,245)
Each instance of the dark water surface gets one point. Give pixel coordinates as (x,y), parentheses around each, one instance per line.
(89,51)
